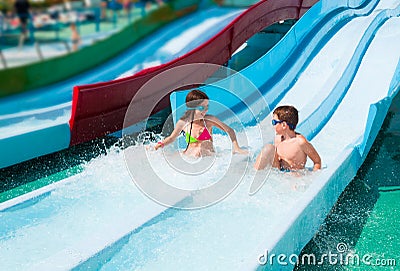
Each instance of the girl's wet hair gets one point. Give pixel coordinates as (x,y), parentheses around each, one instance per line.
(195,98)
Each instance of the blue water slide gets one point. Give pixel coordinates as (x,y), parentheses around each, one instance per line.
(35,123)
(275,72)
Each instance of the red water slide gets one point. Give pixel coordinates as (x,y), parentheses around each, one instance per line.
(99,109)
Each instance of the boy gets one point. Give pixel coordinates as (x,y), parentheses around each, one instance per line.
(291,149)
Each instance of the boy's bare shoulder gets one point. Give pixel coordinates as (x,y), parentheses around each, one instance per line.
(301,139)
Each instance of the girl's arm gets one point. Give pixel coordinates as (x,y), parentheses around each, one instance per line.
(219,124)
(171,138)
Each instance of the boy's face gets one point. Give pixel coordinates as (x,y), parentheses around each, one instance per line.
(280,126)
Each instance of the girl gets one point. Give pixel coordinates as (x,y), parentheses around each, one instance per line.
(197,128)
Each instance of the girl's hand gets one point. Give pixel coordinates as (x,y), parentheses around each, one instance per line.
(159,145)
(241,151)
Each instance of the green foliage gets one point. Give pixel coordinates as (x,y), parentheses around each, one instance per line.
(5,5)
(8,5)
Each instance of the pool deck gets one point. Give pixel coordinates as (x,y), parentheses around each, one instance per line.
(52,43)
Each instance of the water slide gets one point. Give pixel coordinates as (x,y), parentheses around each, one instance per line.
(35,123)
(99,219)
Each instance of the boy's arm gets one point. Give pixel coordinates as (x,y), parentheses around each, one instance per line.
(311,152)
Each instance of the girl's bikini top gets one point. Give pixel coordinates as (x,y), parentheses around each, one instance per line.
(205,135)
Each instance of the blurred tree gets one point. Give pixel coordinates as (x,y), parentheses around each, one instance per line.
(7,5)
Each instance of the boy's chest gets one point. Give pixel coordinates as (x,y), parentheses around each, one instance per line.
(289,150)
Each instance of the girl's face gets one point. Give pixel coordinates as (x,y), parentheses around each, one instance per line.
(202,109)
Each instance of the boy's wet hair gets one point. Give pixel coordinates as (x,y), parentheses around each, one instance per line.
(289,114)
